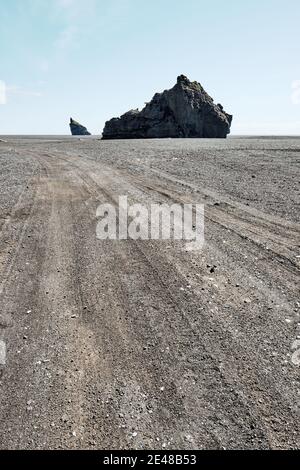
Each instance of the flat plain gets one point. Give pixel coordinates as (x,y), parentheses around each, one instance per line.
(141,343)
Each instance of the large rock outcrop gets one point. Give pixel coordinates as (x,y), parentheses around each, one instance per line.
(78,129)
(184,111)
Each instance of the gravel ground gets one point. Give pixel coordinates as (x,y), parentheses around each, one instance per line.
(143,344)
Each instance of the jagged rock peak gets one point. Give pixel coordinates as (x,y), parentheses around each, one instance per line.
(183,80)
(78,129)
(186,110)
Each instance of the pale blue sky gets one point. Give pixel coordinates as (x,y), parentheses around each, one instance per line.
(95,59)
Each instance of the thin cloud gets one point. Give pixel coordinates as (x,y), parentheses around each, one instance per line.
(267,128)
(20,91)
(65,3)
(44,65)
(66,37)
(77,16)
(76,10)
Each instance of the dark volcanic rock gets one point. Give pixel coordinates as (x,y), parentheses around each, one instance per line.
(184,111)
(78,129)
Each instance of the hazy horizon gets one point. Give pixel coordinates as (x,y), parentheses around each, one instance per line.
(230,136)
(95,60)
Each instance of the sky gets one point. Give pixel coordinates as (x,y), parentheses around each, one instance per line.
(96,59)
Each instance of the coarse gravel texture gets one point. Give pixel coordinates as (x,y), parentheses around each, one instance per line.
(145,344)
